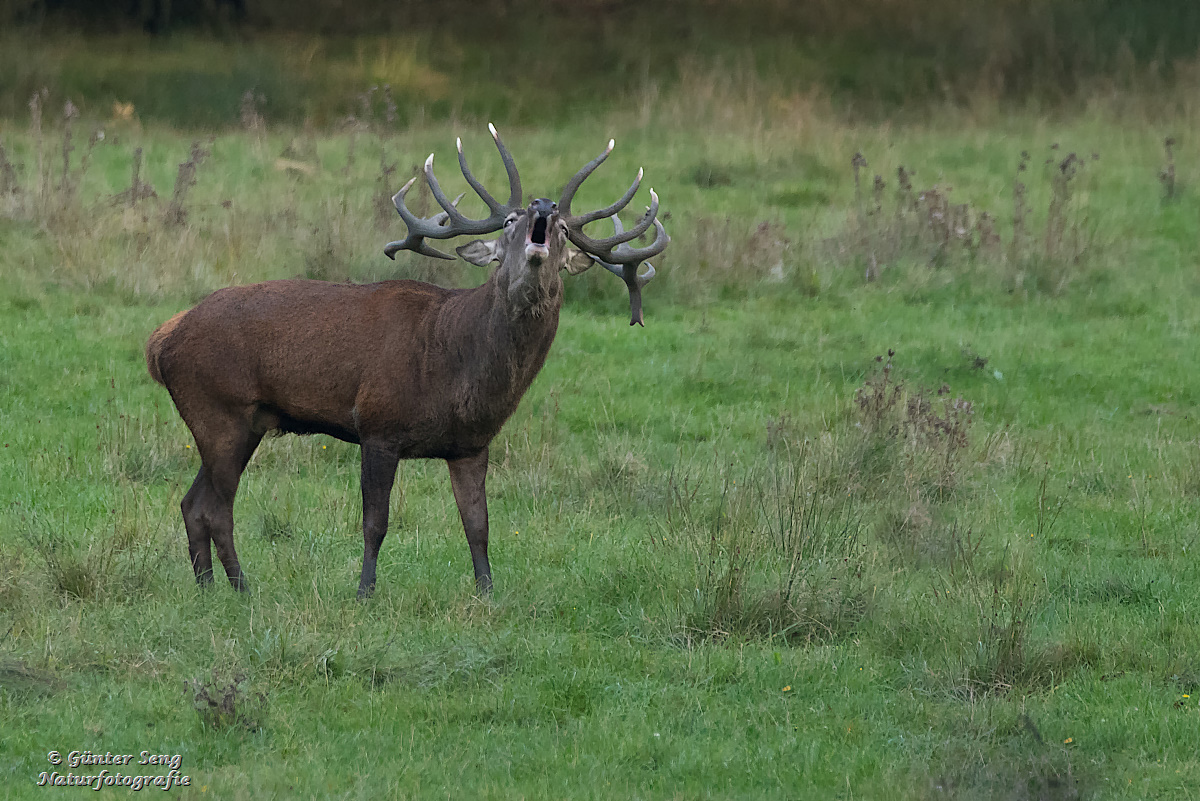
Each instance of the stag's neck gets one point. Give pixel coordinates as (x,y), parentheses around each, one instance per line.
(503,332)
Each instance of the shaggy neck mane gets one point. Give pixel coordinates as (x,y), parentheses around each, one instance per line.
(501,339)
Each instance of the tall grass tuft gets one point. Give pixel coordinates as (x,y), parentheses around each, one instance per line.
(773,556)
(116,566)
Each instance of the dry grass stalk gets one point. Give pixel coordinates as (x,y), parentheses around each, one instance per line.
(1167,176)
(36,104)
(8,175)
(176,213)
(138,189)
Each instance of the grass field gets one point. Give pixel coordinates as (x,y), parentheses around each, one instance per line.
(742,552)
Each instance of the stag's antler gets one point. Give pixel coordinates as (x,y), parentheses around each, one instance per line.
(612,253)
(451,222)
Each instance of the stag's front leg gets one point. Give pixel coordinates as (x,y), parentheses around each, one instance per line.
(468,477)
(378,473)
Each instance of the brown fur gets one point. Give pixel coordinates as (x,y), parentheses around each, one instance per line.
(405,369)
(154,345)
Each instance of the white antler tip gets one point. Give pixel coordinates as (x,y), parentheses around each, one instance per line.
(653,195)
(495,133)
(611,144)
(641,172)
(429,162)
(458,142)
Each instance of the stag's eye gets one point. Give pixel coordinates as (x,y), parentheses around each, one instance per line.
(511,219)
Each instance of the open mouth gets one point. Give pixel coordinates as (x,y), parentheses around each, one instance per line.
(542,214)
(537,233)
(535,242)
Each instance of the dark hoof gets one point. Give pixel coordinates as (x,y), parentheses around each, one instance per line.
(365,592)
(240,583)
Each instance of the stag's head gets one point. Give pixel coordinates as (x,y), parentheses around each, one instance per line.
(532,247)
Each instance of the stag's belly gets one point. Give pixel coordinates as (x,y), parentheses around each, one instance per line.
(428,426)
(267,419)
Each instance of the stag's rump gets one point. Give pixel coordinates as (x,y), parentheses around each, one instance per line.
(154,345)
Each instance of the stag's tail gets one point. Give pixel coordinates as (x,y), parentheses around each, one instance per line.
(155,343)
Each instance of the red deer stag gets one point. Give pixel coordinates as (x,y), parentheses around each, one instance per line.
(405,369)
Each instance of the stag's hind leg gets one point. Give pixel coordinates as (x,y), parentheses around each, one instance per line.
(225,449)
(199,541)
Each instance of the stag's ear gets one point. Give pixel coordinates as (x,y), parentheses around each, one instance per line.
(577,262)
(481,252)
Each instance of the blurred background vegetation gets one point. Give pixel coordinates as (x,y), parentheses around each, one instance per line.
(189,62)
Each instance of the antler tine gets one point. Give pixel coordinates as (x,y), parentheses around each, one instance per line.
(418,229)
(458,222)
(627,270)
(417,243)
(568,193)
(485,195)
(608,211)
(510,167)
(605,246)
(442,218)
(416,225)
(627,257)
(450,222)
(634,283)
(625,254)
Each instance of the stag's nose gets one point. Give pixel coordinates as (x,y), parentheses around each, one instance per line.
(542,208)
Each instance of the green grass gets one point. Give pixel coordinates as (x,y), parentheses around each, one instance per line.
(721,571)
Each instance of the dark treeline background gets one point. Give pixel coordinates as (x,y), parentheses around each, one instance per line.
(870,56)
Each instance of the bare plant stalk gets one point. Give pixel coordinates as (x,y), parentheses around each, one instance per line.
(1167,176)
(176,213)
(252,118)
(906,206)
(390,111)
(8,174)
(138,189)
(858,162)
(1060,196)
(352,126)
(1020,210)
(36,103)
(384,210)
(70,114)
